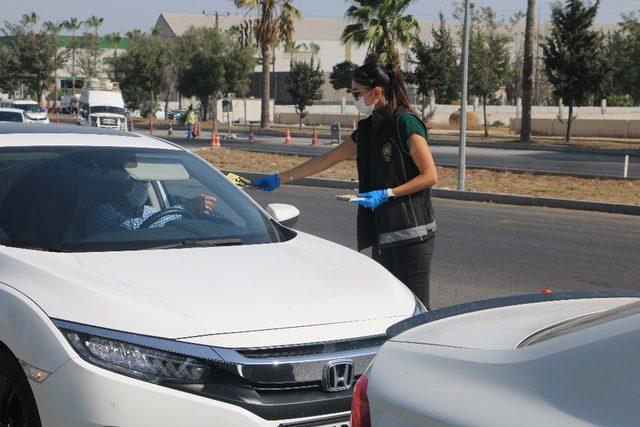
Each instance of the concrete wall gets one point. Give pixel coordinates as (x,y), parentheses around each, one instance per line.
(612,128)
(502,113)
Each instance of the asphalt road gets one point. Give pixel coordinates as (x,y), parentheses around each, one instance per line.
(530,160)
(489,250)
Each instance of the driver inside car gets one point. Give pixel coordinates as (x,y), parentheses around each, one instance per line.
(129,209)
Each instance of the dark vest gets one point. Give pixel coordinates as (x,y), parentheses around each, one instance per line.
(384,163)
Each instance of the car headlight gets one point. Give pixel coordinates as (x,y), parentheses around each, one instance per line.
(420,308)
(134,360)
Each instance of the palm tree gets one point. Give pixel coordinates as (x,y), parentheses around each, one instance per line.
(314,48)
(274,24)
(95,23)
(114,39)
(73,25)
(527,71)
(293,48)
(30,20)
(382,24)
(54,28)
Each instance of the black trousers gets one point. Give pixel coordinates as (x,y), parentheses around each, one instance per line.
(411,264)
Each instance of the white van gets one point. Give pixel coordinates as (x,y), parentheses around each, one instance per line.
(32,109)
(101,105)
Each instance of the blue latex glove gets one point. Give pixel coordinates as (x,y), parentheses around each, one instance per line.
(373,198)
(267,183)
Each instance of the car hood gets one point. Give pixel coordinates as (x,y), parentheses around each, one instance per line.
(506,327)
(36,115)
(181,293)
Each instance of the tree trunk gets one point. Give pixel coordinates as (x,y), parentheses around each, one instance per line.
(73,71)
(300,122)
(527,72)
(266,92)
(166,101)
(484,110)
(569,121)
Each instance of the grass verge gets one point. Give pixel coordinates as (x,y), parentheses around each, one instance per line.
(552,186)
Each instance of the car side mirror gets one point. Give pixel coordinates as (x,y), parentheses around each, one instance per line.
(286,215)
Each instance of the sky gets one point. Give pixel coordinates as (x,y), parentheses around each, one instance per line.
(124,15)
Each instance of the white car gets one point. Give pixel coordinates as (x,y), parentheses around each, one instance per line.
(32,109)
(566,359)
(123,302)
(12,115)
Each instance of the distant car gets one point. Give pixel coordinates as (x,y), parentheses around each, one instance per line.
(567,359)
(34,112)
(177,115)
(158,113)
(14,115)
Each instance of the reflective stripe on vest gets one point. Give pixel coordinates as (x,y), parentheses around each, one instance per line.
(406,234)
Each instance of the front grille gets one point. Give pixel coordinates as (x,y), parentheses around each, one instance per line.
(313,349)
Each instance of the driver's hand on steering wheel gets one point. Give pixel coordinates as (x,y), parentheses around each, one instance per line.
(200,205)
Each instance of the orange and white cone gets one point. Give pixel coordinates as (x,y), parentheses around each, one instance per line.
(252,137)
(287,138)
(215,139)
(314,140)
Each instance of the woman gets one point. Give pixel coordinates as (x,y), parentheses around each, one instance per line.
(395,172)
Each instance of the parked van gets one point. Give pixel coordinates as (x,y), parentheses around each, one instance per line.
(32,109)
(101,105)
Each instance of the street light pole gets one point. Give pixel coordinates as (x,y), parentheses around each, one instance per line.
(462,164)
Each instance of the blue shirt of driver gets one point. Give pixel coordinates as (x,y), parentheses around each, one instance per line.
(111,217)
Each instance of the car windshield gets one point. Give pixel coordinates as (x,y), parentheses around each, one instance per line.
(8,116)
(75,199)
(580,323)
(29,108)
(107,109)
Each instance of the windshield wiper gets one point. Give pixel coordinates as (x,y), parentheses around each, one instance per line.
(204,243)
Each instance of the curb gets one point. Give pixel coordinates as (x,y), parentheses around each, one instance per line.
(472,196)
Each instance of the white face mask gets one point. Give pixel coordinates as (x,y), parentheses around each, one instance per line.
(362,107)
(138,194)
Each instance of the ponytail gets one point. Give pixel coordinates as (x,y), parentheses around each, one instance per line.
(389,78)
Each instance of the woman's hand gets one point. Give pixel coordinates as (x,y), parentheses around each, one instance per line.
(267,183)
(372,199)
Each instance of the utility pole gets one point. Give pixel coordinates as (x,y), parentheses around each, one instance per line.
(462,163)
(217,21)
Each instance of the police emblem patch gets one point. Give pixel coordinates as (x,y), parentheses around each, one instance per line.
(386,152)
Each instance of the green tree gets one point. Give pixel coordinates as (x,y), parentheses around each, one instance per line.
(9,77)
(114,39)
(32,57)
(304,85)
(527,71)
(314,50)
(381,24)
(140,70)
(342,74)
(623,52)
(574,54)
(274,24)
(91,52)
(54,28)
(73,25)
(202,69)
(239,63)
(436,67)
(489,58)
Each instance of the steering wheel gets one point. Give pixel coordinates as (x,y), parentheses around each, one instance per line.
(166,212)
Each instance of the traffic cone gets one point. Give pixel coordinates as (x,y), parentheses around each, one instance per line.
(314,140)
(287,138)
(252,137)
(198,133)
(215,139)
(170,132)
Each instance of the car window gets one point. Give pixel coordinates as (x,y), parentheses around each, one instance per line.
(7,116)
(98,199)
(30,108)
(107,109)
